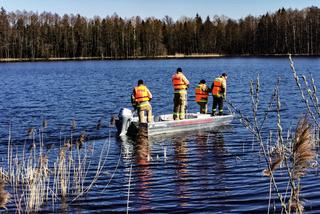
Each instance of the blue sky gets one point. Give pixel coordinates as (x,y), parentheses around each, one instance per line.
(157,8)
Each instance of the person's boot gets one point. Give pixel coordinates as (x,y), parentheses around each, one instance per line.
(220,113)
(213,113)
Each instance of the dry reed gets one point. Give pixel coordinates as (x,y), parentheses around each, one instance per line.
(275,163)
(34,177)
(302,148)
(302,155)
(4,195)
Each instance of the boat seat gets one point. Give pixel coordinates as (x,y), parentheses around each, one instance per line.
(157,119)
(162,118)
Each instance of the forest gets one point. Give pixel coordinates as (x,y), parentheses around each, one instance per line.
(46,35)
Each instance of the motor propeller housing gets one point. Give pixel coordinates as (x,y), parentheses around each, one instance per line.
(125,117)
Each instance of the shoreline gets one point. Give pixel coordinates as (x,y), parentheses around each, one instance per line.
(177,56)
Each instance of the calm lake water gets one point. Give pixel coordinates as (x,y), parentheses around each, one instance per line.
(219,171)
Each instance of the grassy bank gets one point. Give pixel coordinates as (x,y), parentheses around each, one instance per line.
(176,56)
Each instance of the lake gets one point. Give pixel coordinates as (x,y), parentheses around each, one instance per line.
(218,171)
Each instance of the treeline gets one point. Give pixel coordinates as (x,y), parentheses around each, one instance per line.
(46,35)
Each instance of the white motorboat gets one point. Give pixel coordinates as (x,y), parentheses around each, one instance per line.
(164,124)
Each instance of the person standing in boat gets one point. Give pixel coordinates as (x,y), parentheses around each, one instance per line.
(140,100)
(202,94)
(219,91)
(180,86)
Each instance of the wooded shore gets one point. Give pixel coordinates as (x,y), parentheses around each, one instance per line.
(33,36)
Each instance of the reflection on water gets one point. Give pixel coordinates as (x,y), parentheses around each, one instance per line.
(141,148)
(143,171)
(218,151)
(137,151)
(126,148)
(197,172)
(210,149)
(181,157)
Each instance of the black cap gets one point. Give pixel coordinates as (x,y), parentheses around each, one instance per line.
(224,74)
(179,70)
(202,81)
(140,82)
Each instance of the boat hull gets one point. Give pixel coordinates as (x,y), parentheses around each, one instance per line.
(164,124)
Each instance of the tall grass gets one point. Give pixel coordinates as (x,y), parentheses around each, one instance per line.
(4,195)
(37,175)
(293,154)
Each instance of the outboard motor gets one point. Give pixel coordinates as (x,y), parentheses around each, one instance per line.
(125,117)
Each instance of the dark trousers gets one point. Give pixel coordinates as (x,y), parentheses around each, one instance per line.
(203,107)
(217,101)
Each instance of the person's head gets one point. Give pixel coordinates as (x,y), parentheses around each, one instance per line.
(224,75)
(179,70)
(202,81)
(140,82)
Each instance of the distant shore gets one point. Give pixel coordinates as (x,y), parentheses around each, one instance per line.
(176,56)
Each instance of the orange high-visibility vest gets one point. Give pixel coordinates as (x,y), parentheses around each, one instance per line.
(217,86)
(178,83)
(201,96)
(141,93)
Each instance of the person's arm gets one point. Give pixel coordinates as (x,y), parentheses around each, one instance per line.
(133,100)
(185,80)
(149,94)
(133,95)
(224,89)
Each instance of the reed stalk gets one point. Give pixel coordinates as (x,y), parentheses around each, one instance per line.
(302,93)
(312,92)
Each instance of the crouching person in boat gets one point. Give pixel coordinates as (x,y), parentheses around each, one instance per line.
(140,99)
(202,94)
(180,86)
(219,92)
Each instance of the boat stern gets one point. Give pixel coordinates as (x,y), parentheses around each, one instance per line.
(124,120)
